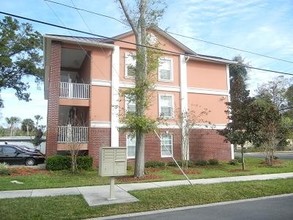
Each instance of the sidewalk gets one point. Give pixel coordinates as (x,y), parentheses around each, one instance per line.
(99,195)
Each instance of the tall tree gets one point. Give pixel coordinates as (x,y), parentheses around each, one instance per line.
(12,121)
(38,118)
(238,69)
(142,16)
(238,130)
(20,48)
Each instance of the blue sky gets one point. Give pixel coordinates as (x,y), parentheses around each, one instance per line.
(260,26)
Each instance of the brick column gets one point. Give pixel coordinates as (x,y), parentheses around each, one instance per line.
(53,99)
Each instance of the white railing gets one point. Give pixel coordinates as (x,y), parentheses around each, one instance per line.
(72,134)
(74,90)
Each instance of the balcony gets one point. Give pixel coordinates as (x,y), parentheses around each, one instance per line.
(74,90)
(72,134)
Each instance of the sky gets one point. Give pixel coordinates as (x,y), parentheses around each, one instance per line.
(260,26)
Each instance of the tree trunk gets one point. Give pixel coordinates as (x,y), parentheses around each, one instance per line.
(139,155)
(242,157)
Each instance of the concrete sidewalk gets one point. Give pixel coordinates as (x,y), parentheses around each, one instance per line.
(99,195)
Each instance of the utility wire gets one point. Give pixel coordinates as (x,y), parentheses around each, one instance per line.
(110,38)
(168,32)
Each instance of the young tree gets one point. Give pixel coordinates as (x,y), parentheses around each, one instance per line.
(12,121)
(186,121)
(20,48)
(266,121)
(140,19)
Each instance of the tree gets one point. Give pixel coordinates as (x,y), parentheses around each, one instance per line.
(266,121)
(20,48)
(27,125)
(239,129)
(238,69)
(186,121)
(38,118)
(140,20)
(275,91)
(12,121)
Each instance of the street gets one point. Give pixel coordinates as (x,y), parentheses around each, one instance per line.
(281,155)
(273,207)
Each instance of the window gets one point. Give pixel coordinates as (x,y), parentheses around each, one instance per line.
(166,106)
(130,103)
(166,145)
(130,144)
(165,69)
(129,64)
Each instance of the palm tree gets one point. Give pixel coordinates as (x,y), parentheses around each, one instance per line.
(27,125)
(38,118)
(12,121)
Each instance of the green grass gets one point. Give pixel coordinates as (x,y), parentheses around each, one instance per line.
(87,178)
(74,207)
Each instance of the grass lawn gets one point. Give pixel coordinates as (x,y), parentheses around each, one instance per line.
(50,179)
(74,207)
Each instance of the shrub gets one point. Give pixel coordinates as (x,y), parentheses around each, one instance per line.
(84,162)
(173,164)
(238,159)
(61,162)
(58,162)
(4,171)
(201,163)
(154,164)
(233,162)
(213,162)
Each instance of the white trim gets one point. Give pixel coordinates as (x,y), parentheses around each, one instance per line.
(162,59)
(126,102)
(126,84)
(127,57)
(100,124)
(200,126)
(115,97)
(98,82)
(159,87)
(127,141)
(207,91)
(184,101)
(172,145)
(228,81)
(172,107)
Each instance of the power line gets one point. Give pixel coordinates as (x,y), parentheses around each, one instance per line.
(114,39)
(229,47)
(91,12)
(193,38)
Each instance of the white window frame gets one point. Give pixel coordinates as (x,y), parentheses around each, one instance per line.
(161,60)
(129,102)
(129,143)
(161,105)
(129,61)
(164,146)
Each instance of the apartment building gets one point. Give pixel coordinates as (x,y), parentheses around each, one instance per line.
(83,80)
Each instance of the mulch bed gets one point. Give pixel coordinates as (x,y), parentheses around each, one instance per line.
(25,171)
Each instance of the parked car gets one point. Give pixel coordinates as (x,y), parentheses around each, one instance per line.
(14,154)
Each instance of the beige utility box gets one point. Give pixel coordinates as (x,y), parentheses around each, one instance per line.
(113,161)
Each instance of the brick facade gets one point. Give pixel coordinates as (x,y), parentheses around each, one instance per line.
(204,145)
(53,99)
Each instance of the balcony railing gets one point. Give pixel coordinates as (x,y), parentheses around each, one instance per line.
(72,134)
(74,90)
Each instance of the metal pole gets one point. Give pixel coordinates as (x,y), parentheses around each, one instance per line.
(176,162)
(112,189)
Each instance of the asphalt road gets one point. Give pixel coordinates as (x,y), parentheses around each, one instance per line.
(281,155)
(268,208)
